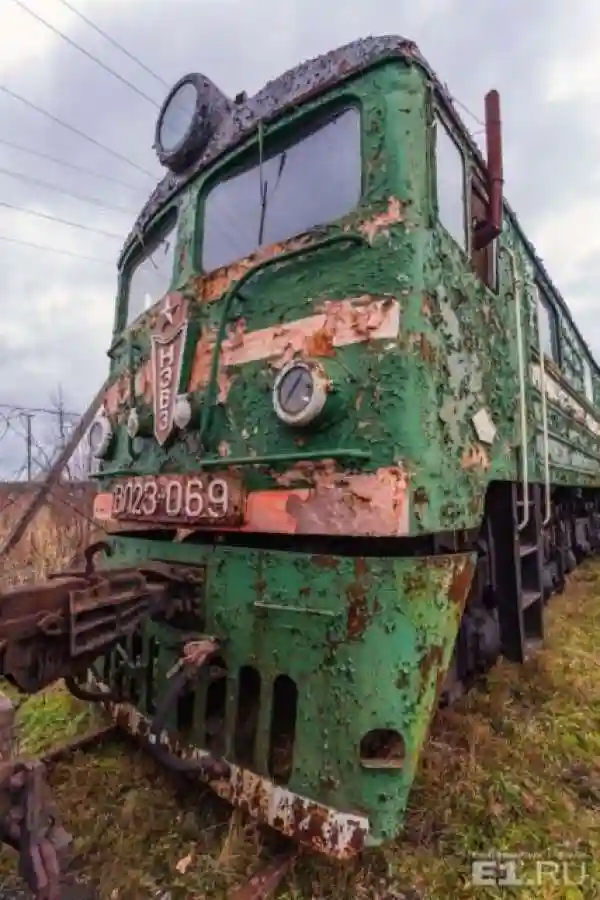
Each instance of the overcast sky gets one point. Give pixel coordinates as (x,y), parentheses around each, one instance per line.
(57,311)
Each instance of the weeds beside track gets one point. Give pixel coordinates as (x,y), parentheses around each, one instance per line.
(515,766)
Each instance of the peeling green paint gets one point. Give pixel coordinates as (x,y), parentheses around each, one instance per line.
(367,639)
(381,630)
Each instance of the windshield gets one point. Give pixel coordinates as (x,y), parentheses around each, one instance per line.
(151,277)
(313,181)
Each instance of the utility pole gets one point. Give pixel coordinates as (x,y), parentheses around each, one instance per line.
(61,423)
(29,417)
(60,409)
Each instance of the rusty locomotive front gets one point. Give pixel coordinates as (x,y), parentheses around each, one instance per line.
(347,446)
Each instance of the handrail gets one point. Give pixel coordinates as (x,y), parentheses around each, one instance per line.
(548,515)
(268,459)
(518,284)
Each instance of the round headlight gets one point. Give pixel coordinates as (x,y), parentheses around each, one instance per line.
(300,393)
(100,435)
(187,120)
(178,117)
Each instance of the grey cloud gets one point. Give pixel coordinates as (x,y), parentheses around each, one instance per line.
(240,44)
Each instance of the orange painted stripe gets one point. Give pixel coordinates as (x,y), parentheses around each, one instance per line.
(339,323)
(375,504)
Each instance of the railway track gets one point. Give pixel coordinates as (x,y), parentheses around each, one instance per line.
(69,885)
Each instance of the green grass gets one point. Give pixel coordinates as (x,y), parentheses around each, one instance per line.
(45,720)
(514,767)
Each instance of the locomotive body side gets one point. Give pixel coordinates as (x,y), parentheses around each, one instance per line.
(350,566)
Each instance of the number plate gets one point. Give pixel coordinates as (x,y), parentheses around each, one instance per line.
(180,500)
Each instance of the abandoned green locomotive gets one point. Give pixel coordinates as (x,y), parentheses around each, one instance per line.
(351,422)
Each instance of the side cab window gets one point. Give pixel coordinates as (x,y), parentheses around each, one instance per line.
(462,202)
(588,383)
(450,184)
(548,328)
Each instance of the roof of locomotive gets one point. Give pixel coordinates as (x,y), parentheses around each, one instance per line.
(303,82)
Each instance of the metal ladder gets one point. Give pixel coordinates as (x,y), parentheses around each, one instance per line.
(524,589)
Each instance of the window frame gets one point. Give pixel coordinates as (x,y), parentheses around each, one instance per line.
(278,136)
(440,120)
(473,184)
(553,318)
(168,219)
(589,381)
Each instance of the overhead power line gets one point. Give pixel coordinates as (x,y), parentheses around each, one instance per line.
(10,240)
(76,131)
(111,40)
(70,165)
(52,187)
(15,408)
(467,110)
(41,215)
(85,52)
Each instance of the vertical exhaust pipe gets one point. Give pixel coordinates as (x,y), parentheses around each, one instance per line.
(487,231)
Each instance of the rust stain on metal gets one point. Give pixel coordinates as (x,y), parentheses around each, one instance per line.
(29,823)
(50,630)
(370,504)
(321,828)
(323,473)
(475,456)
(320,343)
(263,884)
(425,347)
(432,659)
(420,497)
(382,221)
(326,562)
(359,614)
(460,584)
(427,306)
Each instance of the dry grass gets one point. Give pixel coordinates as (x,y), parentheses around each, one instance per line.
(514,767)
(47,545)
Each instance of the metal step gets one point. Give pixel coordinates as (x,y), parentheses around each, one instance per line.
(528,598)
(527,550)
